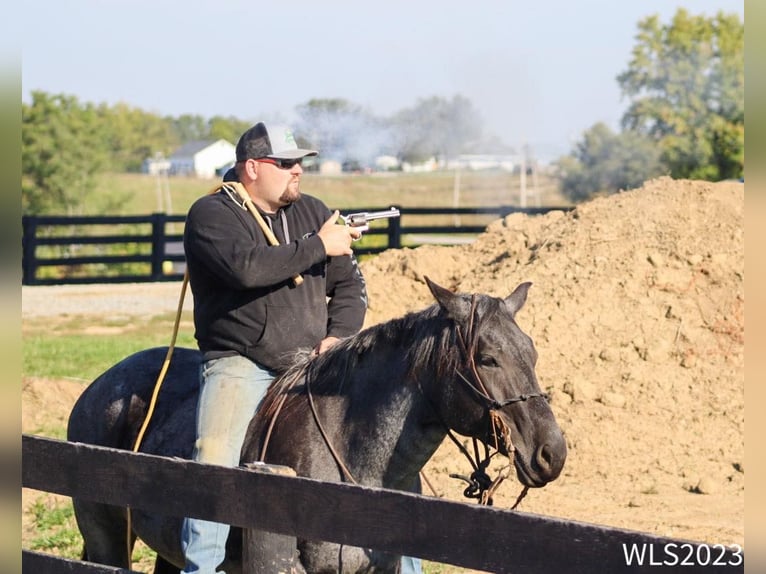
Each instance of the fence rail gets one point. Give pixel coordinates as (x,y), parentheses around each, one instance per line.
(467,535)
(71,244)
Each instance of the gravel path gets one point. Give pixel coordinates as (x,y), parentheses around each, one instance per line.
(135,299)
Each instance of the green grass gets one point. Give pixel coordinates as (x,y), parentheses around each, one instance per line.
(55,431)
(56,530)
(137,194)
(81,356)
(57,534)
(67,351)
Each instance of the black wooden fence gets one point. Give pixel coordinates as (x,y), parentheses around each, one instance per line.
(143,248)
(468,535)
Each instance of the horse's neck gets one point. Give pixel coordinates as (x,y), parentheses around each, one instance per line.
(392,417)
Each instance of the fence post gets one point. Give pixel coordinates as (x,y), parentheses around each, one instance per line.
(28,249)
(264,551)
(158,244)
(394,232)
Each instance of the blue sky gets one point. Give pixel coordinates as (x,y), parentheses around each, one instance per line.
(538,71)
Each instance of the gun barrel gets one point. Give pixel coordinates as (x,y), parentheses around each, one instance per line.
(393,212)
(363,217)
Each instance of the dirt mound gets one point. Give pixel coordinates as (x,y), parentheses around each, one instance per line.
(637,311)
(46,404)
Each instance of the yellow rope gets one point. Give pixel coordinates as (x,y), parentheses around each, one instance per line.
(155,394)
(248,202)
(165,365)
(244,196)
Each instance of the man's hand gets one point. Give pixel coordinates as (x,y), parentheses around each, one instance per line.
(323,345)
(337,238)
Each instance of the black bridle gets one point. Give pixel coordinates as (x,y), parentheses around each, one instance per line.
(493,404)
(478,388)
(480,485)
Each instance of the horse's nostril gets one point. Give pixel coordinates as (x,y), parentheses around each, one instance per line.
(544,457)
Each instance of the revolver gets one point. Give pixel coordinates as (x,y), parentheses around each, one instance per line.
(361,220)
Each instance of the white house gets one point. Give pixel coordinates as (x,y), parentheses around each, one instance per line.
(202,158)
(330,167)
(387,163)
(477,162)
(431,164)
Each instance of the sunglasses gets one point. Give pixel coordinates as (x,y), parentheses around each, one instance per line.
(281,163)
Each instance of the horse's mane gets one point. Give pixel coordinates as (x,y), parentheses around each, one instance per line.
(426,339)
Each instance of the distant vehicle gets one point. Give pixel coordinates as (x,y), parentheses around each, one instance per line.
(353,166)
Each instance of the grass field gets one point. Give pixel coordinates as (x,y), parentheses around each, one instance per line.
(69,348)
(140,194)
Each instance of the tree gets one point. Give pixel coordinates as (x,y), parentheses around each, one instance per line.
(63,147)
(190,127)
(134,135)
(685,82)
(227,128)
(605,162)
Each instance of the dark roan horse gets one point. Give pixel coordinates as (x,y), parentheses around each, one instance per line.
(386,399)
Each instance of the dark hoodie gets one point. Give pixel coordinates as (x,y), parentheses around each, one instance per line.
(245,301)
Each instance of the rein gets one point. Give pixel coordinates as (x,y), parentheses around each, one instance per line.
(338,460)
(335,455)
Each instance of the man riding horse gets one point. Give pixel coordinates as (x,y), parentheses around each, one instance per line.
(259,295)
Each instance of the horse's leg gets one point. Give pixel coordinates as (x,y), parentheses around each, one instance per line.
(331,557)
(104,529)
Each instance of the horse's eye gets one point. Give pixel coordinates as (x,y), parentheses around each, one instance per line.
(487,361)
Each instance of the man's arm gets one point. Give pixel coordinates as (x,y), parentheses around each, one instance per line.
(348,297)
(230,248)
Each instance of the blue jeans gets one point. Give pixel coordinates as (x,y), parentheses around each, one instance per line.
(411,565)
(230,390)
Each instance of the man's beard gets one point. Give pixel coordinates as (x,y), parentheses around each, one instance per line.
(290,195)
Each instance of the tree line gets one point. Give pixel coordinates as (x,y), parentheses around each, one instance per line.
(684,85)
(66,143)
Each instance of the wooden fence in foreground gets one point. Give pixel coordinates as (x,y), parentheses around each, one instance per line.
(467,535)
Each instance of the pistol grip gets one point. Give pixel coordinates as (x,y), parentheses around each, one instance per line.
(361,229)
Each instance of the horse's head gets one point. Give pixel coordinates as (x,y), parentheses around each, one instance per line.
(495,396)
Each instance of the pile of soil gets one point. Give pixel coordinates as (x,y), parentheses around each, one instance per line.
(637,312)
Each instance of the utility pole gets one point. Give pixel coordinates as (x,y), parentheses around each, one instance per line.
(523,177)
(164,203)
(456,193)
(160,167)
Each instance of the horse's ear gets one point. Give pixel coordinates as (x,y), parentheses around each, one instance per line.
(455,306)
(516,300)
